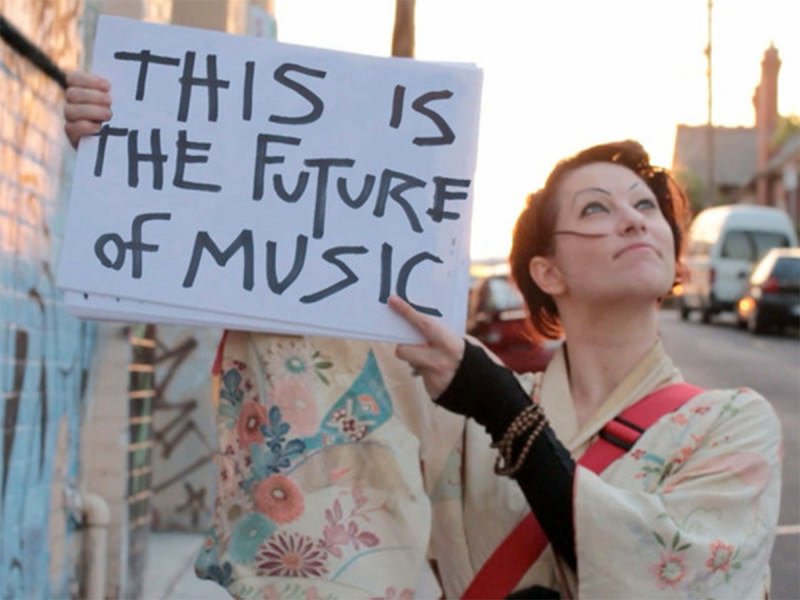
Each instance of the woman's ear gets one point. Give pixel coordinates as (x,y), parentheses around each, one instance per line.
(546,275)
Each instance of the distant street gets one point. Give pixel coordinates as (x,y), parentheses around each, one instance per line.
(721,355)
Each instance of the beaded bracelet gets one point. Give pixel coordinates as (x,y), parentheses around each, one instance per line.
(531,416)
(506,457)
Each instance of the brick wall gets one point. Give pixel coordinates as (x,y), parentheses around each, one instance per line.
(71,418)
(44,353)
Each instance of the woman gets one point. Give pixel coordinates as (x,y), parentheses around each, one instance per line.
(337,477)
(691,510)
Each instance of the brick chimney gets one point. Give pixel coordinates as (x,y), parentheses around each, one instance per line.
(765,102)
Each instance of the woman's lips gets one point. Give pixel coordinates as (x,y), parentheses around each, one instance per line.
(638,246)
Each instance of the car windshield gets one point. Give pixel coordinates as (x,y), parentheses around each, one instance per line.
(765,241)
(787,268)
(503,295)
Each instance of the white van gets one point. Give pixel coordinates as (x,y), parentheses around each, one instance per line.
(724,243)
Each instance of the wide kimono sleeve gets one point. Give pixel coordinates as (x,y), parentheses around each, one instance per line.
(691,511)
(320,490)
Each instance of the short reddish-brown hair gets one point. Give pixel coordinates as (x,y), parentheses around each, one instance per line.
(533,232)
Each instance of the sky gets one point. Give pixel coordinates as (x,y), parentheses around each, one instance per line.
(562,75)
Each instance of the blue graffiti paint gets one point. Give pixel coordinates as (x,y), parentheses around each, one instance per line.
(44,359)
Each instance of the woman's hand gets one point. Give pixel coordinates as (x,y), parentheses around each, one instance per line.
(88,105)
(436,360)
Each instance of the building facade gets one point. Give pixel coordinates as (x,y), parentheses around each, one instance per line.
(105,427)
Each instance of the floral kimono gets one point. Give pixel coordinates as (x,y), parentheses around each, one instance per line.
(690,511)
(321,491)
(339,478)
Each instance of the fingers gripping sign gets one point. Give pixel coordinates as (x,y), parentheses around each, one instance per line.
(437,360)
(88,104)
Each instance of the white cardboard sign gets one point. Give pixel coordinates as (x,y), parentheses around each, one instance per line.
(252,184)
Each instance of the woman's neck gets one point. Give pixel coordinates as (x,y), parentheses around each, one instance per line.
(602,348)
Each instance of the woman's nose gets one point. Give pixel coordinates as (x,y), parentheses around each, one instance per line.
(631,220)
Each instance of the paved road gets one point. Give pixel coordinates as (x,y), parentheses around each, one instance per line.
(721,355)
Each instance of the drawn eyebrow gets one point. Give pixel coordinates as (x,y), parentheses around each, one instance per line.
(590,189)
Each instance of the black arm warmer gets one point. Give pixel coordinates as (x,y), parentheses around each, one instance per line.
(491,394)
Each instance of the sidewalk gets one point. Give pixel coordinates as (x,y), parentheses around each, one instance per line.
(169,574)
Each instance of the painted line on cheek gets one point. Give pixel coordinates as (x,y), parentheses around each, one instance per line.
(580,234)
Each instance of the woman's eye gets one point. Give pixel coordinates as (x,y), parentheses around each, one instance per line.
(646,204)
(592,208)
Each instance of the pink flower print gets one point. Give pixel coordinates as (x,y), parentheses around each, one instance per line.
(290,555)
(638,453)
(349,425)
(227,475)
(298,406)
(701,410)
(392,594)
(670,570)
(370,540)
(679,418)
(270,593)
(359,497)
(334,536)
(279,498)
(248,427)
(368,404)
(312,594)
(720,559)
(685,452)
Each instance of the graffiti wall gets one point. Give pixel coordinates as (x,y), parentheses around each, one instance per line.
(44,353)
(184,438)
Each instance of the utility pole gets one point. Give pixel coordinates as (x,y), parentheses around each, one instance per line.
(710,184)
(403,35)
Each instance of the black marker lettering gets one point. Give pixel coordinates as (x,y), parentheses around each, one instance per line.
(323,164)
(183,158)
(279,286)
(263,159)
(247,99)
(136,246)
(386,190)
(156,157)
(361,198)
(204,241)
(100,250)
(296,193)
(419,105)
(386,273)
(188,81)
(350,277)
(437,213)
(145,58)
(397,106)
(405,273)
(103,134)
(317,105)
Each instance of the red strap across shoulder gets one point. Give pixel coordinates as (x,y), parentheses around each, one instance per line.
(501,573)
(216,366)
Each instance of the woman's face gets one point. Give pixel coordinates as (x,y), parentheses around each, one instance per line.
(612,241)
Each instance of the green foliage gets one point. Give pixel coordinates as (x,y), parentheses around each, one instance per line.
(695,188)
(787,127)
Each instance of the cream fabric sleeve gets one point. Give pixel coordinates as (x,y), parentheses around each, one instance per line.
(691,511)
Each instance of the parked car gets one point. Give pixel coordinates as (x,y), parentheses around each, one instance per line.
(496,316)
(724,243)
(773,297)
